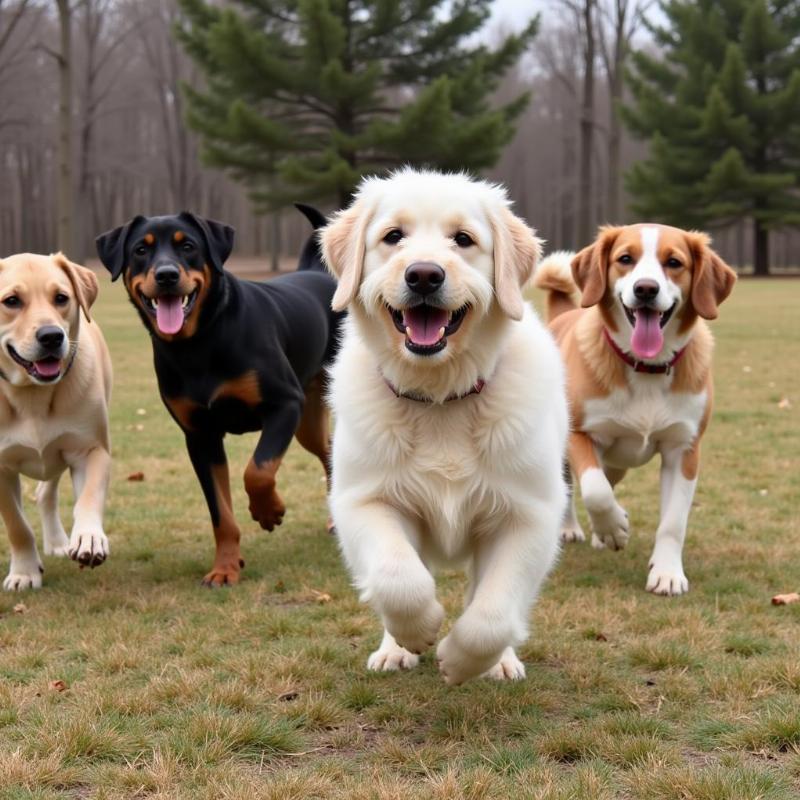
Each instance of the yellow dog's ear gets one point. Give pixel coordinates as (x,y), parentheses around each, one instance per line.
(83,280)
(516,251)
(343,249)
(712,278)
(590,266)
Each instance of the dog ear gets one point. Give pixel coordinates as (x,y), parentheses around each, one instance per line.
(83,280)
(590,267)
(343,250)
(516,251)
(712,278)
(111,247)
(218,237)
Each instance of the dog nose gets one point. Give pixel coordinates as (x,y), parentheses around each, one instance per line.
(424,277)
(50,336)
(645,290)
(167,275)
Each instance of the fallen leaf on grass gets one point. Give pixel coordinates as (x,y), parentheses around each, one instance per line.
(136,476)
(785,599)
(20,608)
(141,411)
(600,637)
(59,686)
(785,403)
(321,597)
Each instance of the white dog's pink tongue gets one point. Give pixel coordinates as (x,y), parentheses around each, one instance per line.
(648,338)
(424,323)
(48,367)
(169,314)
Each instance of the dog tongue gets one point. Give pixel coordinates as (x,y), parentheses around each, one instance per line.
(423,324)
(48,367)
(647,339)
(169,314)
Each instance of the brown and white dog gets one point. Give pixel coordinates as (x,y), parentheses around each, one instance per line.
(638,357)
(55,382)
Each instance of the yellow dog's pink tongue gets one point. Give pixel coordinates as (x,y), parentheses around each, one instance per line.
(423,324)
(648,338)
(169,314)
(47,367)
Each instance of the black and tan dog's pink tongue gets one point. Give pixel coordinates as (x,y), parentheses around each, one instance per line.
(424,323)
(648,338)
(169,314)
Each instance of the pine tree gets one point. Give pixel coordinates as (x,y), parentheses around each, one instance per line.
(720,106)
(303,97)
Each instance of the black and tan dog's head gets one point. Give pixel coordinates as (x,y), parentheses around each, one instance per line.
(169,265)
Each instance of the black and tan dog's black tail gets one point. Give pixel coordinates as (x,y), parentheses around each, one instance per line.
(311,257)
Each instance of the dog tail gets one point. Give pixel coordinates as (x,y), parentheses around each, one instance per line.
(554,275)
(311,257)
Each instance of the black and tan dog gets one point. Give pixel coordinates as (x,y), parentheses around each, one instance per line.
(231,356)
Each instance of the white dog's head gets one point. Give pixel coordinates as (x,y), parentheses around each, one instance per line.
(431,267)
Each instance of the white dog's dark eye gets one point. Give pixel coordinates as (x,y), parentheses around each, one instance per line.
(625,259)
(393,237)
(673,262)
(61,299)
(463,239)
(12,301)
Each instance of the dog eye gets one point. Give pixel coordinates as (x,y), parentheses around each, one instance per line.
(463,239)
(673,262)
(393,237)
(61,299)
(12,301)
(625,259)
(140,250)
(187,247)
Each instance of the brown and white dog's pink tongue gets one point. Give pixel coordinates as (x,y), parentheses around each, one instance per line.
(48,367)
(169,314)
(648,338)
(424,323)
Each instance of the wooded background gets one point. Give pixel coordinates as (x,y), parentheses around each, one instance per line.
(129,149)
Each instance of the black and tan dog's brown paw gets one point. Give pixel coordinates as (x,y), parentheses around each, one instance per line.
(267,510)
(223,574)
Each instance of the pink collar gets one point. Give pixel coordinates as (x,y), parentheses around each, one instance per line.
(641,366)
(476,389)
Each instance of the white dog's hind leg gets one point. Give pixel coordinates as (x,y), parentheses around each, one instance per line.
(571,530)
(88,543)
(380,544)
(666,574)
(509,568)
(26,568)
(55,541)
(390,656)
(609,519)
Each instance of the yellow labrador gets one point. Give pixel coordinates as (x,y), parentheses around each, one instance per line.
(55,384)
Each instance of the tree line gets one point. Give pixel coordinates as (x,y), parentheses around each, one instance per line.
(594,111)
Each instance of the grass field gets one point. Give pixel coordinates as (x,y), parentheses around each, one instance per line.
(174,691)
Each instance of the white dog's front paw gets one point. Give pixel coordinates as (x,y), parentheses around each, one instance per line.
(89,549)
(390,657)
(668,580)
(508,668)
(24,574)
(416,632)
(474,645)
(611,526)
(56,544)
(572,532)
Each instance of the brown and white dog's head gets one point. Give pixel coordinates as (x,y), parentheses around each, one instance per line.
(41,298)
(651,282)
(430,265)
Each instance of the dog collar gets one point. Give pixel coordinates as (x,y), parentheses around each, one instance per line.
(419,398)
(641,366)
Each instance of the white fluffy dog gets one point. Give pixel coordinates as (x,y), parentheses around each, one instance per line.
(451,419)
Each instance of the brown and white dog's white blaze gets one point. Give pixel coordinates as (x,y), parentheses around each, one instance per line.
(638,357)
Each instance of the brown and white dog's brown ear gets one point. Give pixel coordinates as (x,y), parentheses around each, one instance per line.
(590,266)
(712,278)
(516,252)
(343,249)
(83,280)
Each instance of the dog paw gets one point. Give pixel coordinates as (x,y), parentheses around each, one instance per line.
(24,575)
(223,574)
(88,549)
(267,510)
(56,545)
(669,582)
(390,657)
(416,632)
(508,668)
(611,527)
(572,533)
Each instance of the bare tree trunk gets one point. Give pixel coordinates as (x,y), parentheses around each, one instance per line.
(275,242)
(585,183)
(64,182)
(760,249)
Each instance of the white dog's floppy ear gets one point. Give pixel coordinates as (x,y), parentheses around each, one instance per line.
(343,249)
(516,251)
(83,280)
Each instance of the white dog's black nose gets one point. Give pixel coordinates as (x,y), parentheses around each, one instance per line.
(424,277)
(645,290)
(167,275)
(50,336)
